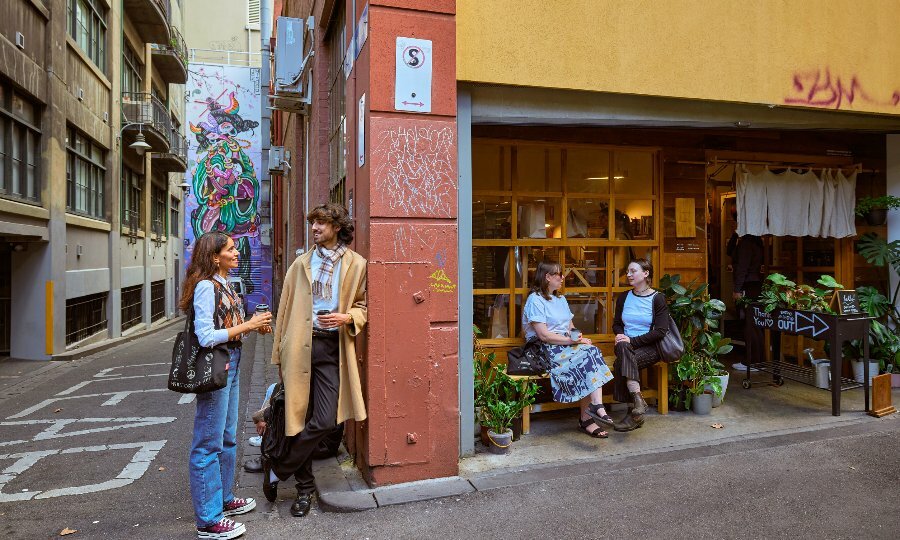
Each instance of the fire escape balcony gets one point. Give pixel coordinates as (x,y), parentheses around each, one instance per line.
(150,19)
(170,59)
(175,160)
(145,114)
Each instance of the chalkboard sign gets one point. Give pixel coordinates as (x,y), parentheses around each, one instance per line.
(847,303)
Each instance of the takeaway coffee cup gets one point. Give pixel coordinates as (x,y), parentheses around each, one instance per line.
(263,308)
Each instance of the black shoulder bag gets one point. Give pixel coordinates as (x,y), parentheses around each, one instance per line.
(671,346)
(197,369)
(274,442)
(529,359)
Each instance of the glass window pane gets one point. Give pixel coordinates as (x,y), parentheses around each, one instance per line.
(633,173)
(491,217)
(538,168)
(490,166)
(634,219)
(587,170)
(491,267)
(588,218)
(585,266)
(539,217)
(491,315)
(591,310)
(527,259)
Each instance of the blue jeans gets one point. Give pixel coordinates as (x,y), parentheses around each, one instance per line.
(214,448)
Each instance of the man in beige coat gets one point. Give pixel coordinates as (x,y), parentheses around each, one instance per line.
(322,309)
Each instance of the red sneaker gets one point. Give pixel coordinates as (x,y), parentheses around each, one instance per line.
(223,530)
(238,506)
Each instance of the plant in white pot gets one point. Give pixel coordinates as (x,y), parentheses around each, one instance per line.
(505,401)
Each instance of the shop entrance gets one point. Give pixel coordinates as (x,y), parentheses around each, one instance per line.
(5,297)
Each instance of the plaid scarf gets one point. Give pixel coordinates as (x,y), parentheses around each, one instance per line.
(321,286)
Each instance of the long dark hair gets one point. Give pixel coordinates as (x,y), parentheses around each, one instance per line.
(338,216)
(539,285)
(202,265)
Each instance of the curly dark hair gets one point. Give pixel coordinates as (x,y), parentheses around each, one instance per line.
(338,216)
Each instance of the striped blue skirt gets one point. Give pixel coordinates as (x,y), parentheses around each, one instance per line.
(577,371)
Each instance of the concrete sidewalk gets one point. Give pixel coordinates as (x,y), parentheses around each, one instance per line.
(758,418)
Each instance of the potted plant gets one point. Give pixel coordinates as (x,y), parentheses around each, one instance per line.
(875,209)
(697,315)
(499,399)
(779,292)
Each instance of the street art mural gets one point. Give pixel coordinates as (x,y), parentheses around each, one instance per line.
(224,155)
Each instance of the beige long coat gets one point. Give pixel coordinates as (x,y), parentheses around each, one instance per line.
(293,339)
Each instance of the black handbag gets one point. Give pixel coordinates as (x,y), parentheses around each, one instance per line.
(671,346)
(197,369)
(274,443)
(529,359)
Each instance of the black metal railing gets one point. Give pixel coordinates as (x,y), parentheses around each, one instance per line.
(147,109)
(157,300)
(132,302)
(177,45)
(85,316)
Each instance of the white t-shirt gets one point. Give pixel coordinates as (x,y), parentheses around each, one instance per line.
(555,313)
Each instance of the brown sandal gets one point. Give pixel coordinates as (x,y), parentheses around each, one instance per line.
(597,433)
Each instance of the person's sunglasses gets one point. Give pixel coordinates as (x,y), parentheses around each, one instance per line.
(555,274)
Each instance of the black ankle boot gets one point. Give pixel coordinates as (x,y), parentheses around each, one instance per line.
(640,406)
(629,423)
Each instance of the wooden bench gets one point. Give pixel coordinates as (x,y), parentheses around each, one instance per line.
(654,385)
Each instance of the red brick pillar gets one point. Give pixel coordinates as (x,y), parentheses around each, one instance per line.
(405,205)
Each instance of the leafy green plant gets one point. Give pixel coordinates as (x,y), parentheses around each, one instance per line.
(697,316)
(866,204)
(779,292)
(498,398)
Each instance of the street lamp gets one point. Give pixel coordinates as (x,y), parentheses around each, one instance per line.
(139,145)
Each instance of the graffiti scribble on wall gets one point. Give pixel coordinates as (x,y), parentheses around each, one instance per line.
(415,171)
(223,117)
(819,88)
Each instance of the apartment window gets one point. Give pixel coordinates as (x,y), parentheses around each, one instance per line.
(85,176)
(85,316)
(174,219)
(20,142)
(132,301)
(158,210)
(157,300)
(132,184)
(87,26)
(131,70)
(337,133)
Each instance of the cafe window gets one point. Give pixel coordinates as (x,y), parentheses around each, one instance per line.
(85,176)
(591,209)
(132,186)
(20,146)
(87,25)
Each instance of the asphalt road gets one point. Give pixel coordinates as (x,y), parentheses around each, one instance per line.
(100,446)
(58,471)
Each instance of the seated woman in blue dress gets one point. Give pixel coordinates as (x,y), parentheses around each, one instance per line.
(578,370)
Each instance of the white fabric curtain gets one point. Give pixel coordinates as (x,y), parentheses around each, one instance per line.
(792,203)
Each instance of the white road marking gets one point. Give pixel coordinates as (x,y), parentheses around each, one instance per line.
(186,398)
(57,425)
(170,340)
(82,384)
(135,469)
(115,399)
(106,372)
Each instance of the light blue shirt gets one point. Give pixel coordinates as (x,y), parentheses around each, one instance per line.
(320,304)
(555,313)
(637,314)
(204,310)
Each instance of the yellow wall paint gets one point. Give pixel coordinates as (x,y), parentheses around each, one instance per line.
(729,50)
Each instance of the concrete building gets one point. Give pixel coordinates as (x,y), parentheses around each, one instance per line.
(223,32)
(514,131)
(92,156)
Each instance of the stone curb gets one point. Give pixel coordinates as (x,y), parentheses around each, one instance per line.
(81,352)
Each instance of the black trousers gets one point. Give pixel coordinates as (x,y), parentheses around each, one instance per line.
(321,415)
(629,363)
(754,335)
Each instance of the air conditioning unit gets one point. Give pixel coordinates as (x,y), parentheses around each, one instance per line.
(289,56)
(276,160)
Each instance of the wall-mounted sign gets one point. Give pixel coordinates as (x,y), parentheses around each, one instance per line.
(685,218)
(361,34)
(412,84)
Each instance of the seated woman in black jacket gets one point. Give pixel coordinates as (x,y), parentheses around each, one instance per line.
(641,321)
